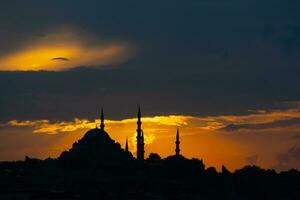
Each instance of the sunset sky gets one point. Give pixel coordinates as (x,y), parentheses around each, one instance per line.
(226,73)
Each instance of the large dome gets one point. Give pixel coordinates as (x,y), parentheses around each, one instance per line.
(96,148)
(96,135)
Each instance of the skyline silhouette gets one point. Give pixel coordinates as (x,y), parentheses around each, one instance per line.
(139,153)
(121,131)
(98,167)
(217,82)
(227,70)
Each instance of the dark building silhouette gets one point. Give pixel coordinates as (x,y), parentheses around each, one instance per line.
(96,167)
(139,138)
(177,150)
(102,120)
(126,146)
(96,149)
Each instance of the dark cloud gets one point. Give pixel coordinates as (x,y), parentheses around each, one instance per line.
(275,124)
(196,57)
(61,59)
(80,92)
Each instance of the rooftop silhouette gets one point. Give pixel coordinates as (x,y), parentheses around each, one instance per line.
(97,167)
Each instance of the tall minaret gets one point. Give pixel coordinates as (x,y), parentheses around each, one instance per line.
(139,138)
(177,150)
(126,146)
(102,120)
(143,145)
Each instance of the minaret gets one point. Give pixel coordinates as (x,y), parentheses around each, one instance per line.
(102,120)
(139,138)
(126,146)
(143,145)
(177,150)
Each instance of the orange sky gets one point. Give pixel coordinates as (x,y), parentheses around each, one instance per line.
(197,67)
(201,137)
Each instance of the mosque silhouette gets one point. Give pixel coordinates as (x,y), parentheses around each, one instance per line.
(98,149)
(97,167)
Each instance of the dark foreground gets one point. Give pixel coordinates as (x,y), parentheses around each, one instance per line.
(170,178)
(96,167)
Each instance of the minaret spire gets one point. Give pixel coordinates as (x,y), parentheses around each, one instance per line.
(139,137)
(126,146)
(102,120)
(142,145)
(139,122)
(142,137)
(177,150)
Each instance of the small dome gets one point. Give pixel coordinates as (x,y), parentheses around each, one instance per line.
(96,131)
(96,135)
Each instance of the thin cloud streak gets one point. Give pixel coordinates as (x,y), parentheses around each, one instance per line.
(260,120)
(61,59)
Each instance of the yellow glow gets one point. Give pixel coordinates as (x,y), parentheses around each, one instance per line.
(38,59)
(200,136)
(72,50)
